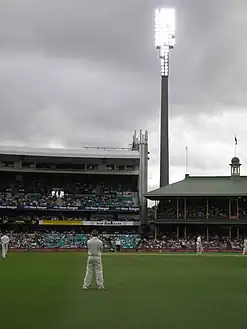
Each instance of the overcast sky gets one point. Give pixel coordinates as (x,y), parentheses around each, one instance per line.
(80,72)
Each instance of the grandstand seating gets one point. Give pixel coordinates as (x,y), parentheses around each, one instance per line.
(83,196)
(72,240)
(68,240)
(128,241)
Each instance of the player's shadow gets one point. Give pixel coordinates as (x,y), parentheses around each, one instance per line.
(95,289)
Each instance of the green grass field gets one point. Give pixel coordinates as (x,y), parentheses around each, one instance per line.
(43,291)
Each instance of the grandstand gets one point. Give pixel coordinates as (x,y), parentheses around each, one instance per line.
(52,199)
(214,207)
(74,190)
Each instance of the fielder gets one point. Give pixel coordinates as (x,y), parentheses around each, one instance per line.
(118,244)
(94,262)
(199,248)
(245,246)
(5,245)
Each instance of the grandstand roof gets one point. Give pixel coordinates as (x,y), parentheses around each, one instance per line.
(202,186)
(85,152)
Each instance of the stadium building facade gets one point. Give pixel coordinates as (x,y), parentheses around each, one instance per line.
(215,205)
(89,187)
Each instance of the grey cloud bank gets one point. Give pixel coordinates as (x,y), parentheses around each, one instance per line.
(80,73)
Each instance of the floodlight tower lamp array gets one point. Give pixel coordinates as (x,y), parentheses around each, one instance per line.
(164,36)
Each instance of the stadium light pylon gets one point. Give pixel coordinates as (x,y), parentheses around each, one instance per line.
(164,42)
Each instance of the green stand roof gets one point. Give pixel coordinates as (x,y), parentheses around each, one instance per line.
(202,186)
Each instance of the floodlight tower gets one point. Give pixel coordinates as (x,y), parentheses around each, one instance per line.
(164,42)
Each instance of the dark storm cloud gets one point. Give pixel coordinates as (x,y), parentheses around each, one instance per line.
(52,91)
(81,58)
(82,72)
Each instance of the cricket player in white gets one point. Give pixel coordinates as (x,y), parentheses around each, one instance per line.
(118,244)
(5,245)
(199,248)
(245,246)
(94,262)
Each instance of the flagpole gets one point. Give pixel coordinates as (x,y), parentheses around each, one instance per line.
(235,146)
(186,159)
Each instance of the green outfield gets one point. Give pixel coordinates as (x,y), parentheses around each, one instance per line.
(43,291)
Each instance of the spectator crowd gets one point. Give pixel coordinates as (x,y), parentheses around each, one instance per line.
(79,195)
(67,239)
(195,211)
(212,243)
(73,240)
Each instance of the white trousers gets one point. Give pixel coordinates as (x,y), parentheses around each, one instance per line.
(5,247)
(244,250)
(199,248)
(94,264)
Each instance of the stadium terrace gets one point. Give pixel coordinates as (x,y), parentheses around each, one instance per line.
(203,205)
(52,198)
(88,187)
